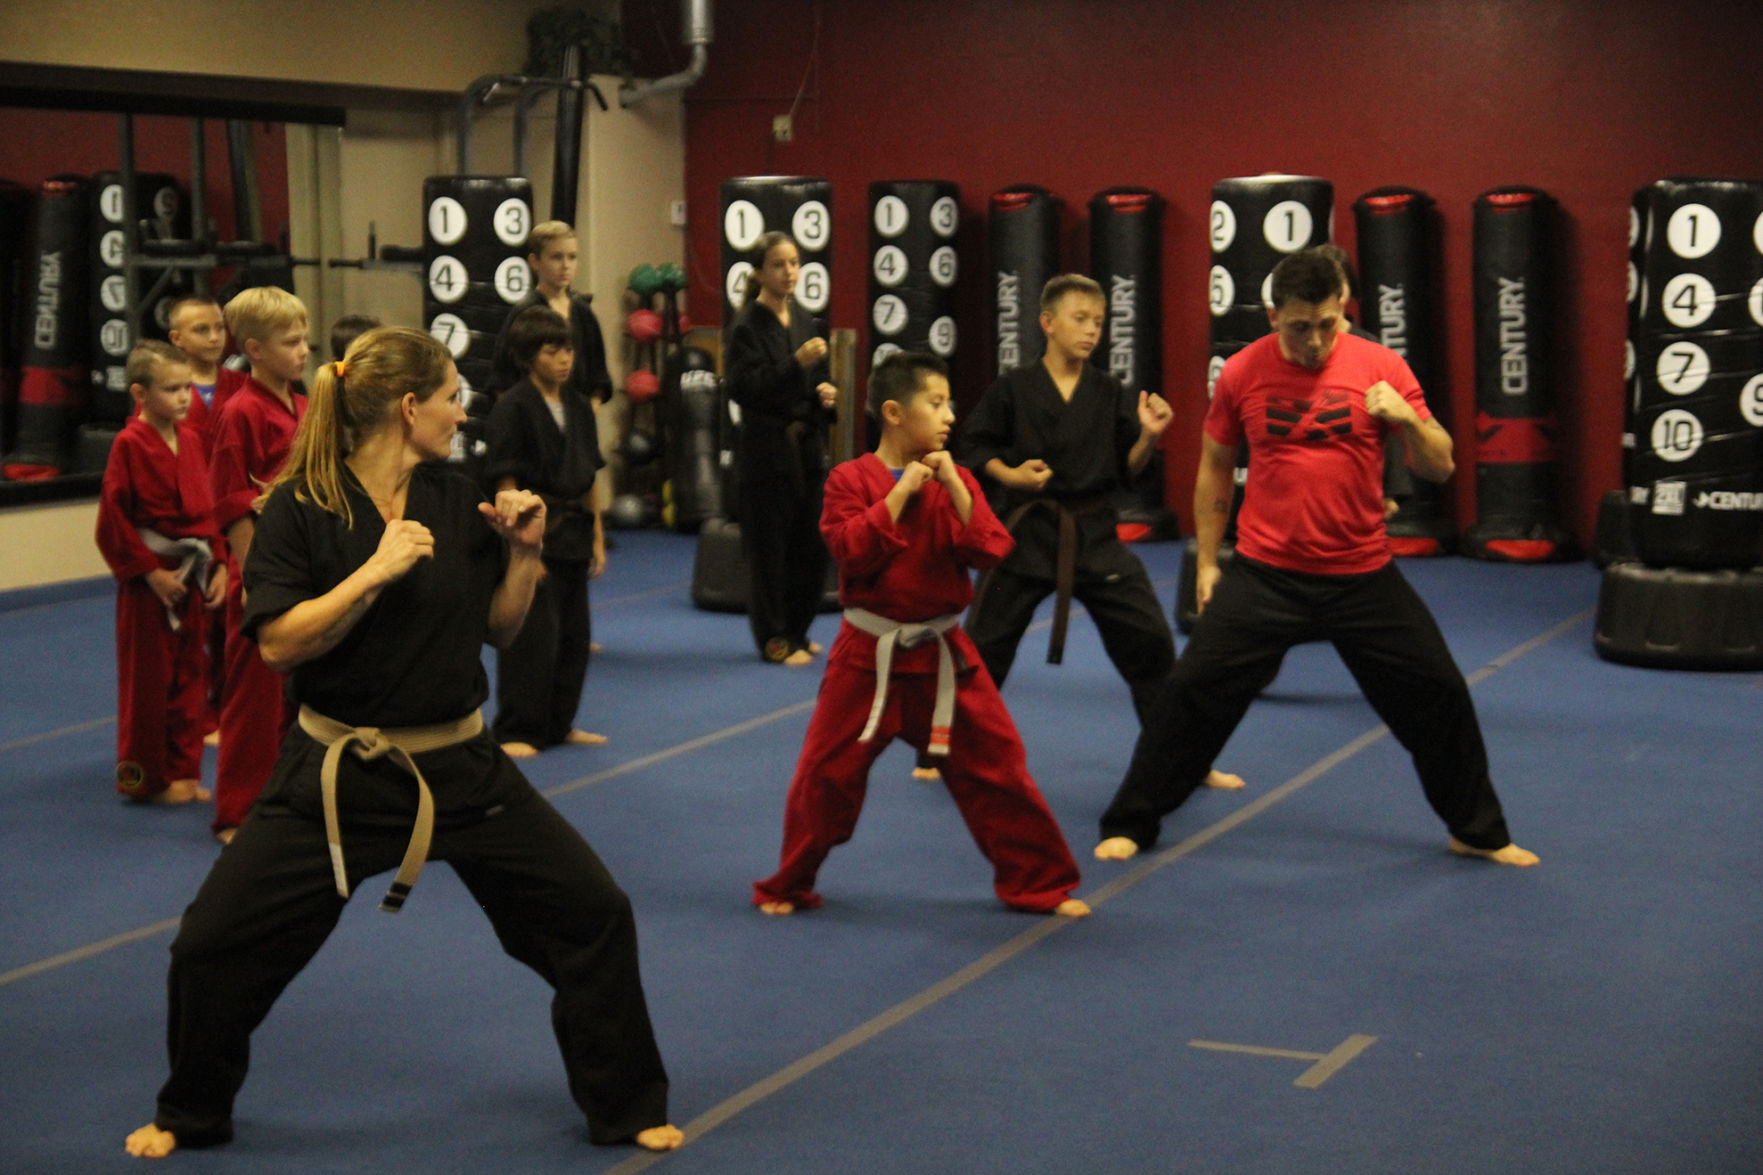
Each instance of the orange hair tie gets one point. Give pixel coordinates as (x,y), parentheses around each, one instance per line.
(341,368)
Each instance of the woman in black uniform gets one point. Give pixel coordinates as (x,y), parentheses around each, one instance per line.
(775,365)
(376,576)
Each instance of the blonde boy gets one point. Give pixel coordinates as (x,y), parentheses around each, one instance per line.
(251,441)
(156,531)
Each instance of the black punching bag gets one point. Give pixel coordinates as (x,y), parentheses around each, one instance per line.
(1397,231)
(1518,517)
(53,388)
(1126,255)
(1024,233)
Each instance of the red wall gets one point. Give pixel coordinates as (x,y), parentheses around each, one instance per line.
(1588,99)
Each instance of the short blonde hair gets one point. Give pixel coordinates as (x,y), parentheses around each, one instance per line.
(261,311)
(544,233)
(148,354)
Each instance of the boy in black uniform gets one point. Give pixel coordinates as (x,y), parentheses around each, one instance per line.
(542,437)
(1060,436)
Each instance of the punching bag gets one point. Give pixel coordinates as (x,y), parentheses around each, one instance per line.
(1397,303)
(798,205)
(697,479)
(474,246)
(1126,253)
(913,268)
(1696,471)
(53,386)
(159,213)
(1518,516)
(1023,229)
(17,206)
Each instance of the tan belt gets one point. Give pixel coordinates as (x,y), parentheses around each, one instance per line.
(369,743)
(907,635)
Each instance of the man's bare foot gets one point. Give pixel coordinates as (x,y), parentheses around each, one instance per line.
(1223,780)
(519,750)
(150,1142)
(211,739)
(928,773)
(1072,908)
(1117,848)
(225,835)
(660,1138)
(1510,855)
(799,658)
(583,738)
(777,909)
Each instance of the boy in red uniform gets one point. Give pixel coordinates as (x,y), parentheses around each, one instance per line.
(156,531)
(906,524)
(251,441)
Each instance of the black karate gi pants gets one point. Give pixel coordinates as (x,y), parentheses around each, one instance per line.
(786,561)
(539,677)
(1134,633)
(270,902)
(1389,642)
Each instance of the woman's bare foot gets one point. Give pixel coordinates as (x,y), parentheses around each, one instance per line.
(150,1142)
(519,750)
(1223,780)
(583,738)
(1072,908)
(777,909)
(225,835)
(1510,855)
(660,1138)
(927,773)
(1117,848)
(799,658)
(814,647)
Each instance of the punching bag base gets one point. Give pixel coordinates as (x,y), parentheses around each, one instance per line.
(1669,618)
(1419,537)
(1613,540)
(719,571)
(1186,610)
(1139,523)
(1502,542)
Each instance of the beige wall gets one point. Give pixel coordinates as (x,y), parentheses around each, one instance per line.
(372,169)
(410,44)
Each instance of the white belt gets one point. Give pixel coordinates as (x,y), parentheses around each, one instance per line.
(195,555)
(910,634)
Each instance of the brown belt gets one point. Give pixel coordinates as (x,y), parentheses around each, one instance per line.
(1064,564)
(399,743)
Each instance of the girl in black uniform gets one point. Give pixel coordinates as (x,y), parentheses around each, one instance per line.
(775,365)
(376,576)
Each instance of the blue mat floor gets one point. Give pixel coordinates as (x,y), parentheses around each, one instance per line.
(1595,1014)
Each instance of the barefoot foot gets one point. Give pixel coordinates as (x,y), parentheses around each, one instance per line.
(777,909)
(1072,908)
(225,835)
(1223,780)
(1117,848)
(519,750)
(583,738)
(799,658)
(1510,855)
(927,773)
(150,1142)
(185,791)
(211,739)
(814,647)
(660,1138)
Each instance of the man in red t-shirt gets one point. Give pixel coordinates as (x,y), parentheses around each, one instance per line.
(1317,406)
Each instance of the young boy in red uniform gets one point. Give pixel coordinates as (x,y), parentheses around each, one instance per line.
(156,531)
(905,525)
(198,329)
(251,441)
